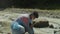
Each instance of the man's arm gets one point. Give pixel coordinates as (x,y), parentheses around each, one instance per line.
(16,26)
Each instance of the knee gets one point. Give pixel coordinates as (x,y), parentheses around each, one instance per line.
(22,29)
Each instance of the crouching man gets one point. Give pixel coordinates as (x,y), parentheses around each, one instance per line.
(23,24)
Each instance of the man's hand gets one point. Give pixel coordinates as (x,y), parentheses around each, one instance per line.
(31,25)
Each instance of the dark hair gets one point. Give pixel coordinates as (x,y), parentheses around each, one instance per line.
(35,14)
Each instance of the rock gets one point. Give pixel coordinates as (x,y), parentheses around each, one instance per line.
(8,33)
(12,19)
(51,26)
(41,24)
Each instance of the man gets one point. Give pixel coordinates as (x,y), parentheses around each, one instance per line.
(24,24)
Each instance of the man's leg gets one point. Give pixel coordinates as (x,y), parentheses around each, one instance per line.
(30,31)
(22,30)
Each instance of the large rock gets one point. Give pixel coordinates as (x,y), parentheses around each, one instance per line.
(40,24)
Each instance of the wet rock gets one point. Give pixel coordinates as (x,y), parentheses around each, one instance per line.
(41,24)
(12,19)
(8,33)
(51,26)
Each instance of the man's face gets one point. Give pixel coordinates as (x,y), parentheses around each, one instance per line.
(33,17)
